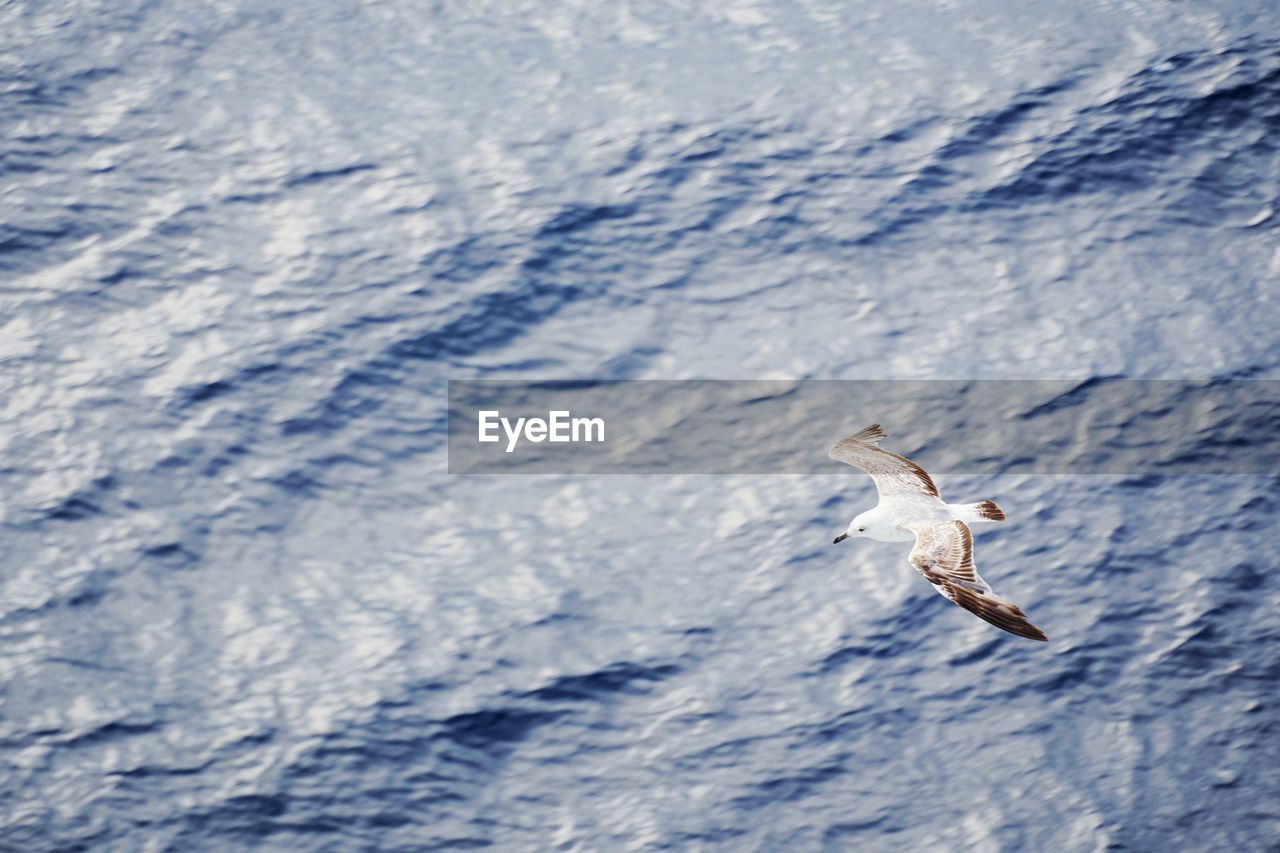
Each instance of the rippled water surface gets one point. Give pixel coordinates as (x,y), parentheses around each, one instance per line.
(244,244)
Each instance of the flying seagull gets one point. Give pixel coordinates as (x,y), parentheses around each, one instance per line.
(910,509)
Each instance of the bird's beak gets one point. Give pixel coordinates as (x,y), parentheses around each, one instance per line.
(840,538)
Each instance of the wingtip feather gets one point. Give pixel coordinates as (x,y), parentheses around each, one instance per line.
(1005,615)
(869,435)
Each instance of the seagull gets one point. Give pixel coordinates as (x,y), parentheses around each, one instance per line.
(910,509)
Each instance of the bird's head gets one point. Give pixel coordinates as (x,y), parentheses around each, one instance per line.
(857,527)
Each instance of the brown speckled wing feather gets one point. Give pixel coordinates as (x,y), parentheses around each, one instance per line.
(894,475)
(943,553)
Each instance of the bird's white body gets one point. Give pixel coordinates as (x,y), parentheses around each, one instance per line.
(883,523)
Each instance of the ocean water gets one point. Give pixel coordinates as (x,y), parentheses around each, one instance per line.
(244,245)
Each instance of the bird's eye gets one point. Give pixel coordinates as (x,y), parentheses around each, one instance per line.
(862,530)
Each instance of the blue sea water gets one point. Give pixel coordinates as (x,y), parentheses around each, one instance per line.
(243,245)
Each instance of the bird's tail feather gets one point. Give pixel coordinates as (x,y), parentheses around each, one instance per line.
(977,513)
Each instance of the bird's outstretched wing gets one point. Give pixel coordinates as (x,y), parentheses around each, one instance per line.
(894,475)
(944,555)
